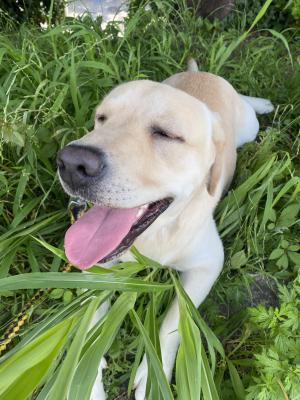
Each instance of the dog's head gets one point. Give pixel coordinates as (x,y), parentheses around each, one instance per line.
(151,146)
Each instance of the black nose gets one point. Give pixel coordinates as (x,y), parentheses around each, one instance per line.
(78,165)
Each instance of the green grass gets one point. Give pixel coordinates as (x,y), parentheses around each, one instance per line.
(50,83)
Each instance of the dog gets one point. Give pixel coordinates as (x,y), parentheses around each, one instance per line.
(155,165)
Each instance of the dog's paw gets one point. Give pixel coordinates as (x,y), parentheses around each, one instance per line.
(98,392)
(266,106)
(140,381)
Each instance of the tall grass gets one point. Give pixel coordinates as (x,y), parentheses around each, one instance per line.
(50,82)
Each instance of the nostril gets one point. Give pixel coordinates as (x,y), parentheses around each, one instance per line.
(82,170)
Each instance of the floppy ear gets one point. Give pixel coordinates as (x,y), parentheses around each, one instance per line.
(216,169)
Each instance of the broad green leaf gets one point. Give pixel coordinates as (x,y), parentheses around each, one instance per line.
(23,212)
(60,315)
(268,211)
(137,361)
(283,261)
(289,215)
(143,259)
(95,331)
(212,340)
(276,253)
(59,99)
(209,389)
(153,358)
(281,37)
(293,182)
(73,83)
(27,228)
(123,269)
(34,264)
(86,371)
(232,202)
(295,257)
(153,390)
(38,280)
(21,373)
(56,293)
(54,250)
(24,177)
(66,373)
(236,381)
(189,360)
(97,65)
(235,43)
(239,259)
(6,262)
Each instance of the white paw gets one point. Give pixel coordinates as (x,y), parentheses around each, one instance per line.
(140,381)
(267,106)
(98,392)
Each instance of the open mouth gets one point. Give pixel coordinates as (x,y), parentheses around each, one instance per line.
(102,234)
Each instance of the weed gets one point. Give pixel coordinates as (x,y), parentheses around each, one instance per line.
(50,82)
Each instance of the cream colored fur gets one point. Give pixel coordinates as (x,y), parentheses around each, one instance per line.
(211,119)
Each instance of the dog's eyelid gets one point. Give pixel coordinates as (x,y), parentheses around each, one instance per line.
(157,131)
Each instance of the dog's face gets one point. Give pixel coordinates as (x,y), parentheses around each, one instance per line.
(151,146)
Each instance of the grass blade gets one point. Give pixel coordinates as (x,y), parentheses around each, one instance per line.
(87,368)
(281,37)
(153,358)
(66,373)
(34,360)
(153,390)
(38,280)
(236,381)
(209,389)
(54,250)
(188,362)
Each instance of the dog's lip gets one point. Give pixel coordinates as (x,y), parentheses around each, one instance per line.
(142,207)
(103,233)
(146,215)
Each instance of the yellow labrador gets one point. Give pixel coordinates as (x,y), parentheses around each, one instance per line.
(155,166)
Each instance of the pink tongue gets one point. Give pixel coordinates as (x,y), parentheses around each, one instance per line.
(97,233)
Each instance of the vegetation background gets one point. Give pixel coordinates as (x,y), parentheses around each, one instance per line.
(244,343)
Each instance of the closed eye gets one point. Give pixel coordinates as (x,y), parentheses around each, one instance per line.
(101,117)
(160,133)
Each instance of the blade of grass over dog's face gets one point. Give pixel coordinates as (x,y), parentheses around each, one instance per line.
(38,280)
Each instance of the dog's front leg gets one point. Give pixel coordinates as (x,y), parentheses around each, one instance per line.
(197,283)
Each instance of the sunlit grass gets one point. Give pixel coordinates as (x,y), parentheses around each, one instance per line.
(50,83)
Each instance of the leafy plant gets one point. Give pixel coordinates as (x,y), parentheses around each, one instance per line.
(277,367)
(33,11)
(296,9)
(50,81)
